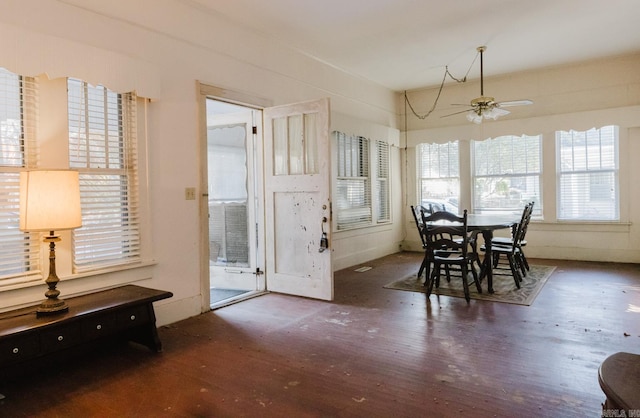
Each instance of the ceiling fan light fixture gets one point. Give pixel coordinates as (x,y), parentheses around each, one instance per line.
(491,112)
(494,113)
(472,116)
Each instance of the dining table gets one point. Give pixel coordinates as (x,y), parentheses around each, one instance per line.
(485,224)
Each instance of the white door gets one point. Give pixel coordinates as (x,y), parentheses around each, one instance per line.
(297,199)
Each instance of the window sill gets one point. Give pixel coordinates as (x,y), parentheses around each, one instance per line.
(111,276)
(581,226)
(363,230)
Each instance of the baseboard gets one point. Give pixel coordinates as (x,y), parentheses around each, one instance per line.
(170,311)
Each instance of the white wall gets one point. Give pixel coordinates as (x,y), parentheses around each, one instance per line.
(357,246)
(580,97)
(161,48)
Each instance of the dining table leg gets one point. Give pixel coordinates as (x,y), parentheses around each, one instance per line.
(427,269)
(487,234)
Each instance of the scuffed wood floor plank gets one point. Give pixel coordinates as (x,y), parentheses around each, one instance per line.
(373,352)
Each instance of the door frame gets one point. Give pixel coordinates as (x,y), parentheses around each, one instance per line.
(245,277)
(204,92)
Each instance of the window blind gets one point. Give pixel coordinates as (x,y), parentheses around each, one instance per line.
(506,173)
(102,147)
(588,174)
(353,182)
(19,251)
(382,175)
(439,171)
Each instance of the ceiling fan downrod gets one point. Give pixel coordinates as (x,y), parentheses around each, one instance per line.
(481,49)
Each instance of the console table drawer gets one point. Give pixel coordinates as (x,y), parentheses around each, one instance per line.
(98,326)
(134,316)
(19,347)
(60,337)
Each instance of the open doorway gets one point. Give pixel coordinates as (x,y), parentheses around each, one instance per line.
(265,220)
(234,203)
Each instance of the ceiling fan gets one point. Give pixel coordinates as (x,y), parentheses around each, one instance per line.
(485,107)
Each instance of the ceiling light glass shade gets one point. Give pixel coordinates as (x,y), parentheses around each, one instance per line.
(49,200)
(494,113)
(486,113)
(472,116)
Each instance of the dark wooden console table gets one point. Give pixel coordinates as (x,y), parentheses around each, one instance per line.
(125,311)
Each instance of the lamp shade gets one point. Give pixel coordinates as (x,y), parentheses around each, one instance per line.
(49,200)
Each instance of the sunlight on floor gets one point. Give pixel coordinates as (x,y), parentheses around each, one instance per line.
(633,308)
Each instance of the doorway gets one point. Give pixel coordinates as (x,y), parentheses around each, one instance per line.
(265,209)
(234,203)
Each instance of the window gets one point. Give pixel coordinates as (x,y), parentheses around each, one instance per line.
(102,127)
(439,176)
(506,174)
(382,176)
(19,251)
(356,167)
(588,174)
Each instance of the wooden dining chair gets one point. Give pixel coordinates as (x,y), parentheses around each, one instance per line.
(418,212)
(513,251)
(520,243)
(447,239)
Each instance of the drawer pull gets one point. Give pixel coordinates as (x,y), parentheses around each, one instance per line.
(99,327)
(133,317)
(60,338)
(15,350)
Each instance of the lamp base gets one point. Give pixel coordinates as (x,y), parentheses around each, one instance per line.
(52,307)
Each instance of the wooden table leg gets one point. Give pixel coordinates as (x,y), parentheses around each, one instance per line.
(487,234)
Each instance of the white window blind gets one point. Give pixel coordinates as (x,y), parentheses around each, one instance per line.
(353,182)
(439,176)
(19,251)
(102,138)
(506,174)
(382,179)
(588,174)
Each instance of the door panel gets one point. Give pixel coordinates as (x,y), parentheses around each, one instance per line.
(298,207)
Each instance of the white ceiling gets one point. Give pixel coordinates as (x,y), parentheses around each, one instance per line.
(406,44)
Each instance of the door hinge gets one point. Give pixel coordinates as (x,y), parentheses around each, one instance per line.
(254,130)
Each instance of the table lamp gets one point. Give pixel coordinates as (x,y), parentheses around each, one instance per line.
(50,201)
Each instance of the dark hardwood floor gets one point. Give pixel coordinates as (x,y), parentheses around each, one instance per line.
(373,352)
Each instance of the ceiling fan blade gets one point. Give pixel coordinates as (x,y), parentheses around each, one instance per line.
(515,103)
(495,113)
(457,113)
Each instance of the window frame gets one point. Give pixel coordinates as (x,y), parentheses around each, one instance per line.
(103,149)
(363,182)
(20,260)
(530,174)
(382,172)
(563,172)
(446,175)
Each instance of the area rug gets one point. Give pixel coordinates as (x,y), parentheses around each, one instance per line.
(504,287)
